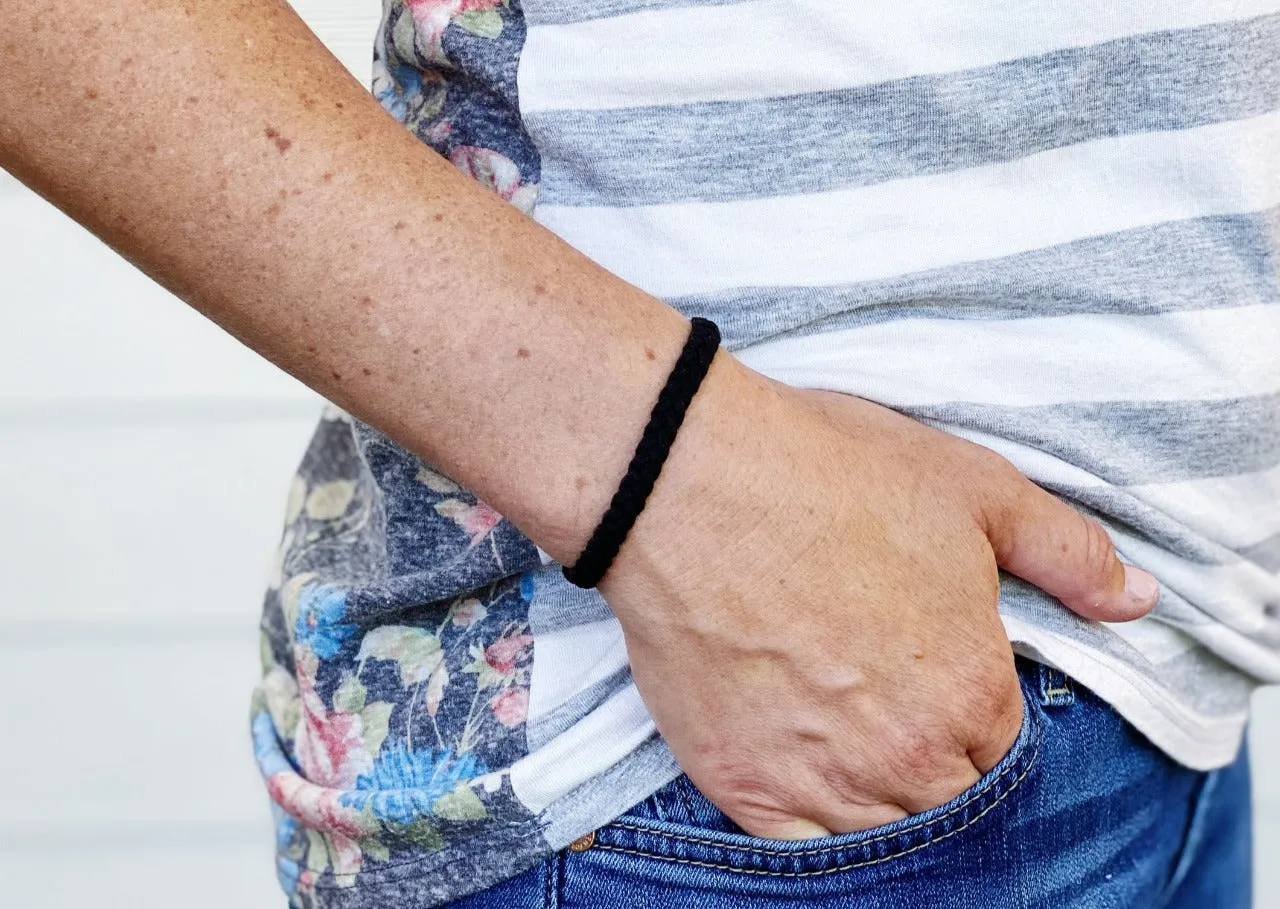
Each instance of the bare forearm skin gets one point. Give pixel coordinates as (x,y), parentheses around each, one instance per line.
(218,146)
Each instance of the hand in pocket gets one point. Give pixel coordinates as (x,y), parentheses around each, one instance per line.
(809,602)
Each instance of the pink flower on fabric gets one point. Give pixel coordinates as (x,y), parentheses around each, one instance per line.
(316,806)
(512,706)
(330,746)
(345,854)
(432,17)
(495,171)
(477,520)
(504,653)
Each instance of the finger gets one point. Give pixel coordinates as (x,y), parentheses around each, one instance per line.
(794,829)
(999,732)
(849,818)
(1048,543)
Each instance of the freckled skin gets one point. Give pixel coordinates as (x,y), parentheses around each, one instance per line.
(687,575)
(91,94)
(400,225)
(282,144)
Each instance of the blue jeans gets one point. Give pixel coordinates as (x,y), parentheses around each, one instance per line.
(1082,812)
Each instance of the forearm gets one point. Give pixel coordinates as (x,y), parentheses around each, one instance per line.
(219,147)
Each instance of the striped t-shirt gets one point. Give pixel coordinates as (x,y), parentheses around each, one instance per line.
(1052,229)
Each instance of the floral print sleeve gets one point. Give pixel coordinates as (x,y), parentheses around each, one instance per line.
(395,640)
(447,70)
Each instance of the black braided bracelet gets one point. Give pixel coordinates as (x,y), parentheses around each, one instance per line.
(651,453)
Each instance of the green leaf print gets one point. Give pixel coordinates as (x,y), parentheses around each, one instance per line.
(462,804)
(402,36)
(416,650)
(374,850)
(422,833)
(487,23)
(373,723)
(350,695)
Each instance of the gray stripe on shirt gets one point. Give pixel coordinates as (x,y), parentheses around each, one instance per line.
(727,150)
(1118,509)
(1128,443)
(1265,554)
(1200,263)
(541,730)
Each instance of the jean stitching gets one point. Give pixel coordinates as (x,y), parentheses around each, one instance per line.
(923,822)
(685,802)
(847,867)
(548,887)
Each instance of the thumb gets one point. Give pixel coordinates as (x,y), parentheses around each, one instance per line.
(1048,543)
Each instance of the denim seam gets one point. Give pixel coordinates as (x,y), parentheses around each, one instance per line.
(685,801)
(923,822)
(838,868)
(1190,840)
(551,886)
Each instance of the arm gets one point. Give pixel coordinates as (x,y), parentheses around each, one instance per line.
(227,154)
(220,148)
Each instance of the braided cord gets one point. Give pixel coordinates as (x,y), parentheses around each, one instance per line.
(651,453)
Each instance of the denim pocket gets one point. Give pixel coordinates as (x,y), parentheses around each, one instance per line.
(679,825)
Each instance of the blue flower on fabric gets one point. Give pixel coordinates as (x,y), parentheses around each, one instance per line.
(266,746)
(405,82)
(319,626)
(404,785)
(286,827)
(287,873)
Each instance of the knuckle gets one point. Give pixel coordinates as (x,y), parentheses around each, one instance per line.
(1096,546)
(995,699)
(998,470)
(919,754)
(749,796)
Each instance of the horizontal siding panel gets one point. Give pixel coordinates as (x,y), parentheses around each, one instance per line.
(1266,865)
(224,876)
(1265,739)
(347,27)
(120,527)
(120,743)
(91,326)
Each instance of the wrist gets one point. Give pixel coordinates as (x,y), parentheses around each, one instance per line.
(717,488)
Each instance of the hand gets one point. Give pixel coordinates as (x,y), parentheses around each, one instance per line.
(809,603)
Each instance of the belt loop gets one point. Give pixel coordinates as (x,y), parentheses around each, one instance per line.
(1055,688)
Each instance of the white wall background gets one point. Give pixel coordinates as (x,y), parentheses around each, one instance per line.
(144,460)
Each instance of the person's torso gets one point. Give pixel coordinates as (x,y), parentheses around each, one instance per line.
(1050,228)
